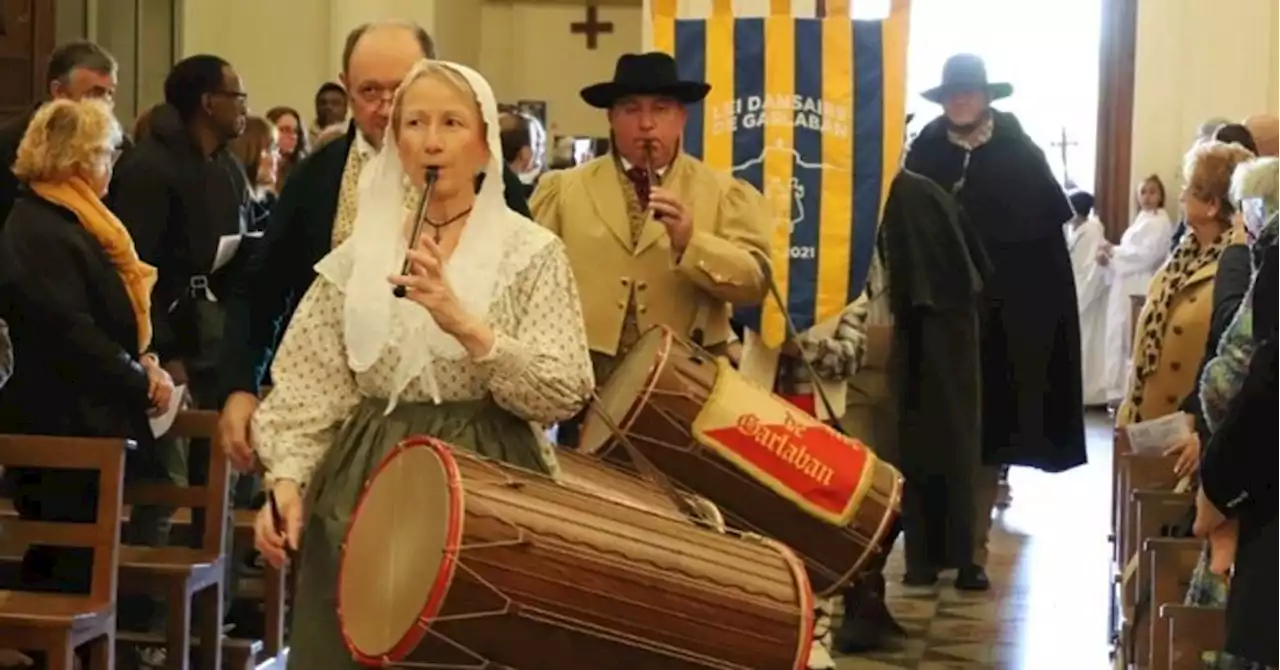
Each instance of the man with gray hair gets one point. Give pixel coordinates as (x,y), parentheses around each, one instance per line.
(76,70)
(315,213)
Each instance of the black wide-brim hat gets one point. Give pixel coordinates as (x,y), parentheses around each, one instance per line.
(966,72)
(652,73)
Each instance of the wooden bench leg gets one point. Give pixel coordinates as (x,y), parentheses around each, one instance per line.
(178,628)
(1171,562)
(102,653)
(274,599)
(61,656)
(209,606)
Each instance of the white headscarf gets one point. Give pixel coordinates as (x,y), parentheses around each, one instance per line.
(372,316)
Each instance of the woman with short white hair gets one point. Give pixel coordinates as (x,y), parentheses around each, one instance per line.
(78,303)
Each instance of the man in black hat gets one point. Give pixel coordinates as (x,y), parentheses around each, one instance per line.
(654,235)
(908,348)
(1031,386)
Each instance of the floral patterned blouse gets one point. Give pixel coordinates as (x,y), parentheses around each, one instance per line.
(539,368)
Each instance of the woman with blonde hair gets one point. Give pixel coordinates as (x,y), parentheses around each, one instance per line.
(258,150)
(486,349)
(1176,319)
(78,303)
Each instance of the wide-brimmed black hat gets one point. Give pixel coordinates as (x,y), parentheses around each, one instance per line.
(652,73)
(966,72)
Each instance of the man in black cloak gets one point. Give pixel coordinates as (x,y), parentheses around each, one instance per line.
(1031,389)
(914,395)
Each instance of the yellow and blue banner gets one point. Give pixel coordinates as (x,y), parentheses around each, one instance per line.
(811,111)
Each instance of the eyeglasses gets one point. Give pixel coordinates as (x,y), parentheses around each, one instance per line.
(239,96)
(111,154)
(373,93)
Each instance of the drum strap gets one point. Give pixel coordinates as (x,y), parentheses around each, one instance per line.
(646,467)
(794,337)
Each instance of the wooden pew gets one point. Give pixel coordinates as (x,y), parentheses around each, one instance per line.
(54,623)
(1191,631)
(1120,441)
(1172,562)
(1139,472)
(1135,472)
(1149,512)
(248,652)
(184,576)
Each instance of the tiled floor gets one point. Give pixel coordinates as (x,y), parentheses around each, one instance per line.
(1047,606)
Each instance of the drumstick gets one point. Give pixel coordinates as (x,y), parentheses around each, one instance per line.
(277,520)
(277,523)
(793,335)
(642,462)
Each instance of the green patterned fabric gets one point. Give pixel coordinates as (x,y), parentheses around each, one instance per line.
(1224,374)
(365,439)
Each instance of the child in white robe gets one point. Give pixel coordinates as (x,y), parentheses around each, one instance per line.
(1131,264)
(1085,238)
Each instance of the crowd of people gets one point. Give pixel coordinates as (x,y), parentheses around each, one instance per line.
(211,253)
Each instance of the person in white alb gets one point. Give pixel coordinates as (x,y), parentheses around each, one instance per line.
(1130,266)
(1085,236)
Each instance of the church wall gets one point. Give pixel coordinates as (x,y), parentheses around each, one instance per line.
(282,48)
(458,32)
(524,47)
(1198,59)
(285,49)
(528,53)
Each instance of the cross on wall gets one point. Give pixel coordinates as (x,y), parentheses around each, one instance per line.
(593,27)
(1064,144)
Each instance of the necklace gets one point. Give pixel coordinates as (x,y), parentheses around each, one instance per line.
(438,227)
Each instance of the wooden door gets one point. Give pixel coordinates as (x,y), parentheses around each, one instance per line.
(26,40)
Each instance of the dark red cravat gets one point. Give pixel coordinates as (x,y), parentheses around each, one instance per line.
(640,179)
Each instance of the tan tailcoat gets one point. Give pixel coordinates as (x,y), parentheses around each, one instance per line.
(724,263)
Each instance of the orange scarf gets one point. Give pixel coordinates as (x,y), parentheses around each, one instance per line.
(138,277)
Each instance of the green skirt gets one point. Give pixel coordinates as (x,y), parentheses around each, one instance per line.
(479,426)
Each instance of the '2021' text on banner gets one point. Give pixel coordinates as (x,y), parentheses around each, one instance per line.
(811,111)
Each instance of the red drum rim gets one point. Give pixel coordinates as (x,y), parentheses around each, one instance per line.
(439,585)
(808,602)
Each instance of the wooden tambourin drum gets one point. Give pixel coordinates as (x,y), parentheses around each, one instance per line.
(454,561)
(771,468)
(610,481)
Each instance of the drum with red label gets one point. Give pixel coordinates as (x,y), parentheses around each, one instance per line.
(454,561)
(771,468)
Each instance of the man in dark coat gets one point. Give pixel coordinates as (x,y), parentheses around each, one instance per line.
(76,70)
(1032,414)
(179,192)
(314,214)
(926,282)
